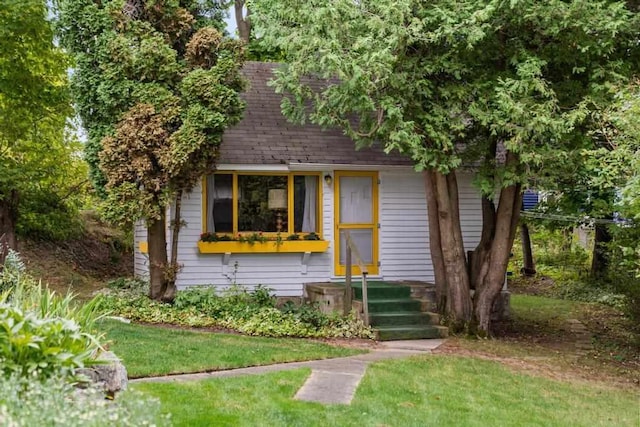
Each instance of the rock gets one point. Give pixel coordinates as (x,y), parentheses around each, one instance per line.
(110,374)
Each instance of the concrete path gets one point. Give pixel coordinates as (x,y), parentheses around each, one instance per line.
(332,380)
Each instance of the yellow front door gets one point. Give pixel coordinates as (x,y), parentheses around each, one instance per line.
(356,210)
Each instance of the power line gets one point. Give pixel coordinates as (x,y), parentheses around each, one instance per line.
(573,219)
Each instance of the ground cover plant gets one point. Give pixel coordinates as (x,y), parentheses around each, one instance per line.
(249,312)
(428,390)
(42,334)
(140,348)
(44,340)
(57,403)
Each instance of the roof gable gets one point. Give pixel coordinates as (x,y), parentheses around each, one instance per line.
(264,136)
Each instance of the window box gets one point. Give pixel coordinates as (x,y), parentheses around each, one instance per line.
(286,246)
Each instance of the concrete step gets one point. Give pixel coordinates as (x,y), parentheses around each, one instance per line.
(394,305)
(410,332)
(403,318)
(382,291)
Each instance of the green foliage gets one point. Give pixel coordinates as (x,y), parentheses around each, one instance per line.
(155,91)
(31,346)
(312,236)
(215,237)
(13,273)
(133,285)
(56,403)
(445,81)
(41,174)
(307,313)
(42,334)
(250,312)
(564,261)
(624,271)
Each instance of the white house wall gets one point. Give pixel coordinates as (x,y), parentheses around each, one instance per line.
(403,241)
(404,225)
(282,272)
(140,260)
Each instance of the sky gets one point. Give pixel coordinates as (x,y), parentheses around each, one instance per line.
(231,22)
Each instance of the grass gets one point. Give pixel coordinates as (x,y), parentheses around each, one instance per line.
(538,339)
(420,391)
(153,351)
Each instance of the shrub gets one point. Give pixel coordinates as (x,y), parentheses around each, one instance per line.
(13,272)
(134,285)
(250,312)
(42,347)
(53,402)
(42,334)
(307,313)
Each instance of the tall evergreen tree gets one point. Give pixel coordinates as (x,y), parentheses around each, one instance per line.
(156,84)
(507,86)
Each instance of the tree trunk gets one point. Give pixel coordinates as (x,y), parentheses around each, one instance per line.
(242,21)
(494,265)
(529,268)
(478,266)
(434,242)
(458,310)
(157,241)
(173,267)
(600,260)
(8,219)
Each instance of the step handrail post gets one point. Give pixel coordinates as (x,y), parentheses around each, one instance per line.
(348,295)
(365,299)
(351,246)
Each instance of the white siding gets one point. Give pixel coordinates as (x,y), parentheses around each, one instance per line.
(403,241)
(404,225)
(140,260)
(282,272)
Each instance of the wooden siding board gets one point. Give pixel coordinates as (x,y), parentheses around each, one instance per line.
(140,260)
(404,232)
(403,239)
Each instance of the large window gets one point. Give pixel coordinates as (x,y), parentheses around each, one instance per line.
(270,203)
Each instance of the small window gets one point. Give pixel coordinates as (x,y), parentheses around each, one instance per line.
(237,203)
(262,203)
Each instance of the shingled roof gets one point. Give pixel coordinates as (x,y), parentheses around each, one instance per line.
(264,136)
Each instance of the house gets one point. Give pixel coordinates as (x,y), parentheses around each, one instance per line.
(275,179)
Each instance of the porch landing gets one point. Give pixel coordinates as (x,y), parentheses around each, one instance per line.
(398,310)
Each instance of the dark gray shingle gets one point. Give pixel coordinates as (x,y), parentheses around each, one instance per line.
(264,136)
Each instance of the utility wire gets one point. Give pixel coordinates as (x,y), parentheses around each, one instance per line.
(568,218)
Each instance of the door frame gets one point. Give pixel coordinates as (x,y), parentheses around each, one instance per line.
(373,269)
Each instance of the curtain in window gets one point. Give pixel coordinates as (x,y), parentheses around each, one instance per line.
(219,203)
(310,204)
(211,188)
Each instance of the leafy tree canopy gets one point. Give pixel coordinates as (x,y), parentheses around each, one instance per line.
(39,167)
(156,85)
(424,78)
(510,87)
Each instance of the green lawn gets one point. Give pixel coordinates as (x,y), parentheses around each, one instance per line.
(149,350)
(428,390)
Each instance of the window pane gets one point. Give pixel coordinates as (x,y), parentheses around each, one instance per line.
(356,202)
(363,239)
(262,203)
(305,204)
(220,203)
